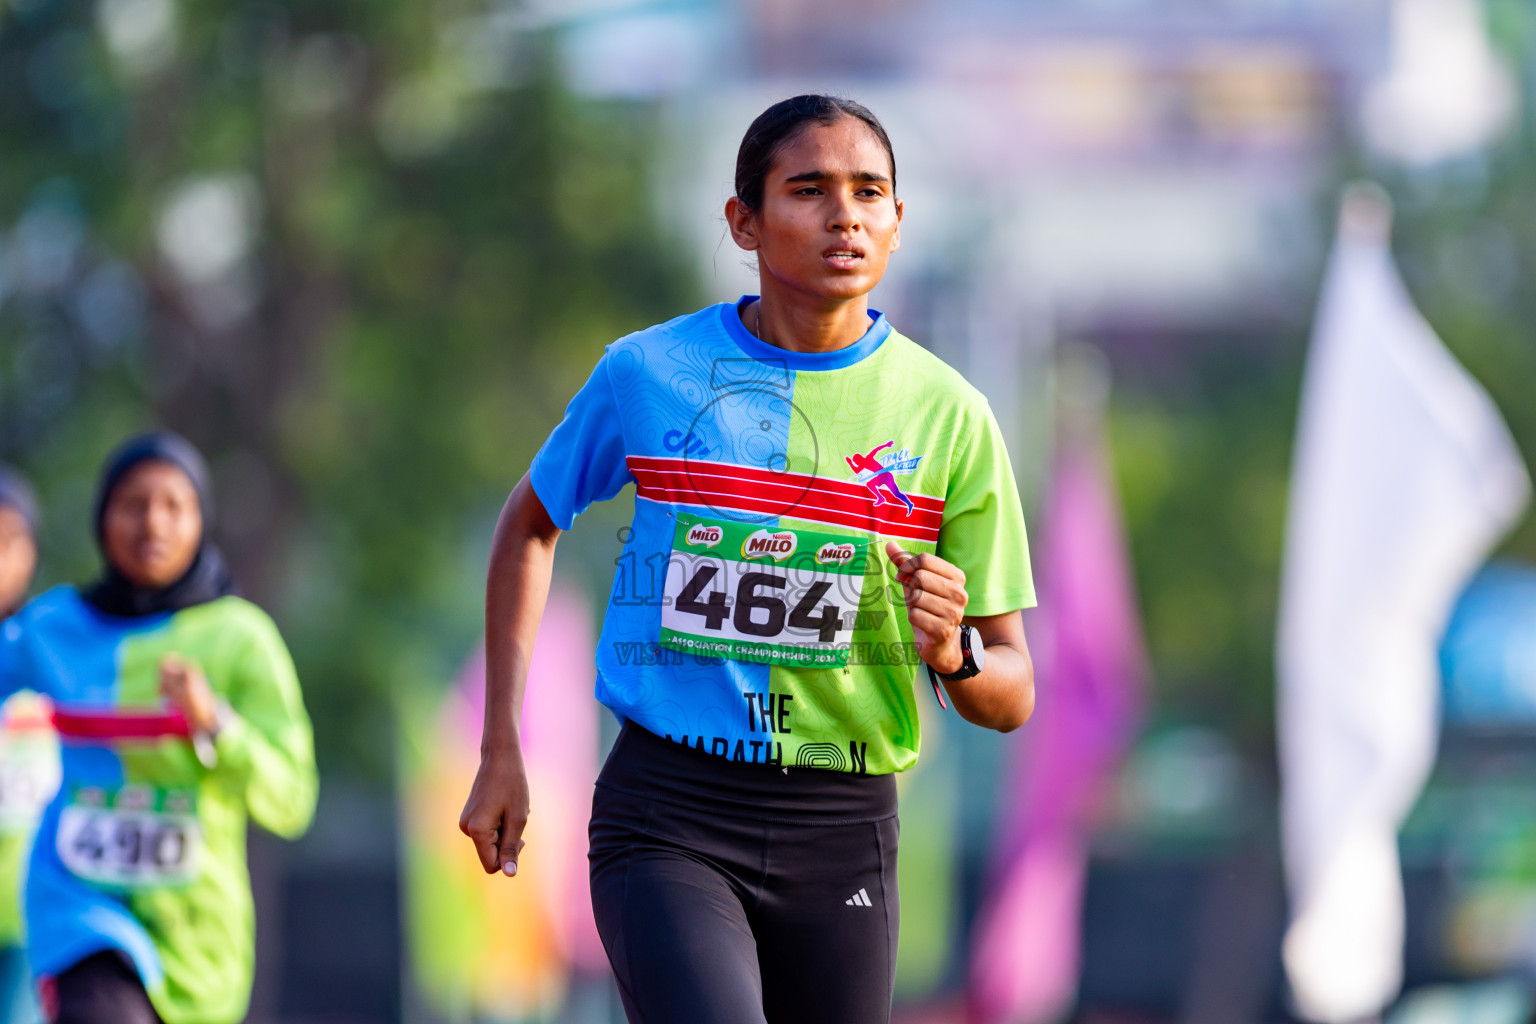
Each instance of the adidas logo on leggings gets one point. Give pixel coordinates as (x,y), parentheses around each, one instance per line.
(860,899)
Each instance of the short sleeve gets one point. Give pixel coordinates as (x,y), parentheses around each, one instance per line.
(583,459)
(983,527)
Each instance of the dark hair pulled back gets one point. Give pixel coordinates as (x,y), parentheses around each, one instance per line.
(780,123)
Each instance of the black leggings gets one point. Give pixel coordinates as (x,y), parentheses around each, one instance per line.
(103,989)
(743,894)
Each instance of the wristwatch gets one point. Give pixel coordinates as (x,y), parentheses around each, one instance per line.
(973,656)
(203,740)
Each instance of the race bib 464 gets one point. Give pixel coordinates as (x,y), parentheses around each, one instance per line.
(753,593)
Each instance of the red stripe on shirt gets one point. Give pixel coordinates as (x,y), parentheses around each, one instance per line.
(119,725)
(697,469)
(796,495)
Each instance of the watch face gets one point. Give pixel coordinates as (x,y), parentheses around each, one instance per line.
(978,652)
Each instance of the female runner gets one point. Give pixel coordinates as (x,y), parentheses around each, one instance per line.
(180,715)
(761,643)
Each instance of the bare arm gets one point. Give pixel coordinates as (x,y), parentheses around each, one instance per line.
(1002,696)
(516,588)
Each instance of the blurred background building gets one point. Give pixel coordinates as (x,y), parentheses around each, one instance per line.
(363,253)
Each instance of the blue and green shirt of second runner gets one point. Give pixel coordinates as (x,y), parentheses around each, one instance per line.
(142,849)
(754,614)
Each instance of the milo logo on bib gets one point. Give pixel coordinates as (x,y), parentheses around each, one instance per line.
(836,554)
(702,533)
(762,544)
(784,596)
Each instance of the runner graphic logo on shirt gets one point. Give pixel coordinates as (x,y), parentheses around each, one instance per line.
(876,473)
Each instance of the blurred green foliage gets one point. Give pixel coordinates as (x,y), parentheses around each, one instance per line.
(444,238)
(1202,457)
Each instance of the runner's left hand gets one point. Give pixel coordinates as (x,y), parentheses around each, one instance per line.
(935,594)
(184,685)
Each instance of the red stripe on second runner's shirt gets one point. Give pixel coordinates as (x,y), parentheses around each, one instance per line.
(119,724)
(796,495)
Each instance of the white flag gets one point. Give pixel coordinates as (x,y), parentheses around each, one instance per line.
(1404,477)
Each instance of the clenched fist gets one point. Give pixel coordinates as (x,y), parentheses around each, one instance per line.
(183,684)
(935,595)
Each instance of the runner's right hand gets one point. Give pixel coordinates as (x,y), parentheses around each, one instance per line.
(183,684)
(497,810)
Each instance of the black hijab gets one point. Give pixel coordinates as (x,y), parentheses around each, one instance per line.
(206,579)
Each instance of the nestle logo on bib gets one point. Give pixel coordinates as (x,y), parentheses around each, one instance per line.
(762,544)
(835,554)
(709,536)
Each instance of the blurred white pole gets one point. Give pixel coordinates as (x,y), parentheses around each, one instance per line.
(1404,476)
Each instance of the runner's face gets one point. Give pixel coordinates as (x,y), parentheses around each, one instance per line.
(152,525)
(18,558)
(829,219)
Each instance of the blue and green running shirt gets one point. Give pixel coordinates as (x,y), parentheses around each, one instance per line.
(143,848)
(754,614)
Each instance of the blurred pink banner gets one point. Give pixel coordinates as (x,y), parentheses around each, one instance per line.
(1090,670)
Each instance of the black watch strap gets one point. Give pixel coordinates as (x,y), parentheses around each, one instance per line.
(968,667)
